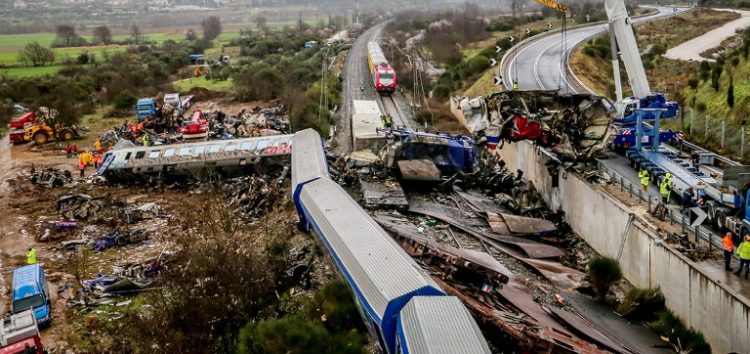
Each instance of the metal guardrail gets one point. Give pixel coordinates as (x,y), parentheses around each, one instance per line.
(674,214)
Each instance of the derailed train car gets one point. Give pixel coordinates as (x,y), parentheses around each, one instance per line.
(398,301)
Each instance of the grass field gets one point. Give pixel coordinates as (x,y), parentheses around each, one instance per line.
(31,71)
(188,84)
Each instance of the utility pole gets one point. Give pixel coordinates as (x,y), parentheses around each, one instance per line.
(356,11)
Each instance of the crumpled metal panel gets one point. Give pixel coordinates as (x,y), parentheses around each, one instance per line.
(507,224)
(455,217)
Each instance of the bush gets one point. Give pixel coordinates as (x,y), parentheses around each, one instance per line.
(477,65)
(125,100)
(603,271)
(693,83)
(700,106)
(641,304)
(670,326)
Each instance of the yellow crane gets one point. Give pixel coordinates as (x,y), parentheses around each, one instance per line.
(554,5)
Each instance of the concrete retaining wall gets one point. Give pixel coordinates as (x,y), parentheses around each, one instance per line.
(612,229)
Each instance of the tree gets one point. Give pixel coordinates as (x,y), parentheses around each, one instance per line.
(34,54)
(603,271)
(190,34)
(211,27)
(102,34)
(135,33)
(261,22)
(730,93)
(66,33)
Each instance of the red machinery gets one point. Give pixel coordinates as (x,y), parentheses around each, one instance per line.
(196,127)
(20,334)
(383,75)
(17,125)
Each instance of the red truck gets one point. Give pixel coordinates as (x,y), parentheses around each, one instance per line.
(17,125)
(19,334)
(196,127)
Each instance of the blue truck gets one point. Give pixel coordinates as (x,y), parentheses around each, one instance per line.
(30,291)
(625,137)
(145,108)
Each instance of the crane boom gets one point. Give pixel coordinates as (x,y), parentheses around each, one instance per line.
(554,5)
(631,57)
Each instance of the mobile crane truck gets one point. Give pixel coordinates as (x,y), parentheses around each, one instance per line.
(720,194)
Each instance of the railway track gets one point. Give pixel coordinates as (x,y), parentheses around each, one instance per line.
(388,105)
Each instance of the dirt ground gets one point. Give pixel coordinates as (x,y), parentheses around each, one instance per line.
(28,210)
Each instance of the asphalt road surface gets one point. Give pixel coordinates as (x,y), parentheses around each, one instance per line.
(541,64)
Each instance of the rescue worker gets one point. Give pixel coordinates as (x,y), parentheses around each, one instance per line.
(145,140)
(82,168)
(362,89)
(31,256)
(387,121)
(728,250)
(664,190)
(687,198)
(645,179)
(97,146)
(744,252)
(515,85)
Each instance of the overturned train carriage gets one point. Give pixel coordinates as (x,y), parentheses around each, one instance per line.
(383,278)
(224,156)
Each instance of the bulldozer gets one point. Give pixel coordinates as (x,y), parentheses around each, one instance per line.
(41,133)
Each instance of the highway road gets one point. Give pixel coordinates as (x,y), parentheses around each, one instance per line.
(541,64)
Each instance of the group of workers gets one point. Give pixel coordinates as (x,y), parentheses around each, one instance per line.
(743,251)
(87,158)
(665,185)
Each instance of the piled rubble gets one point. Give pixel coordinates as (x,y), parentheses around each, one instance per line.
(253,196)
(253,123)
(574,126)
(51,178)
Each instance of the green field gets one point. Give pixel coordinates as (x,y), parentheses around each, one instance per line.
(10,45)
(31,71)
(187,84)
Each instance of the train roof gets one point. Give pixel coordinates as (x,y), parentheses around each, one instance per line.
(309,162)
(378,269)
(376,54)
(203,152)
(439,325)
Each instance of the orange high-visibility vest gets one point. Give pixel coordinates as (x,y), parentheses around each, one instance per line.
(728,244)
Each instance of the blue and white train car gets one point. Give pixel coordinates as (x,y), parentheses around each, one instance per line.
(383,278)
(438,325)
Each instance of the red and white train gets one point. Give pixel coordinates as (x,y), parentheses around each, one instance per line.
(383,75)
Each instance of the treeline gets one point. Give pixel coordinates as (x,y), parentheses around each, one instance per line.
(725,3)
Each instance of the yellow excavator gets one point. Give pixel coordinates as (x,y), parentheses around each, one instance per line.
(554,5)
(41,133)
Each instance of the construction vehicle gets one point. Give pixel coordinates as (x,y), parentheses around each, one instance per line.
(41,133)
(30,292)
(180,103)
(19,334)
(718,195)
(17,127)
(196,127)
(145,108)
(625,137)
(621,34)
